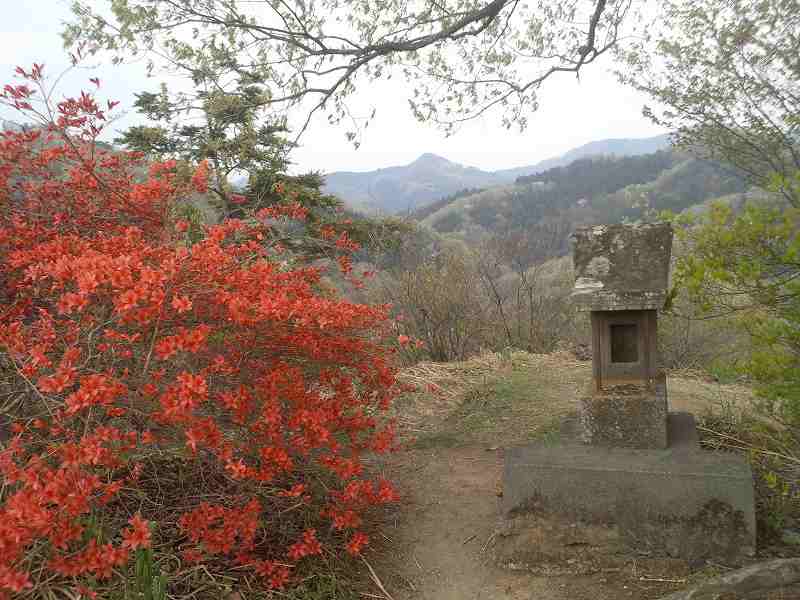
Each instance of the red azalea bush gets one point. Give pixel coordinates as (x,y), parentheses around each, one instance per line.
(124,343)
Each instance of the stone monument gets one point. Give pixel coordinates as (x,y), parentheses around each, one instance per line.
(621,278)
(632,464)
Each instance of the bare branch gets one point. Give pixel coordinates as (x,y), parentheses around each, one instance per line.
(310,55)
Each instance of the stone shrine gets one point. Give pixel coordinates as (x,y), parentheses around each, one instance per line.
(628,462)
(621,278)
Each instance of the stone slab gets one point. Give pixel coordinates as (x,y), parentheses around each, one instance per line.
(621,267)
(680,501)
(625,416)
(607,300)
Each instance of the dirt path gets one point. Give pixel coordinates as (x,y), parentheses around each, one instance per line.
(440,545)
(441,539)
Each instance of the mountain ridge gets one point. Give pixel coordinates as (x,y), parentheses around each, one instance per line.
(588,191)
(430,177)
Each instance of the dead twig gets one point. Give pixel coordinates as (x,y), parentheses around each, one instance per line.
(743,445)
(488,542)
(417,563)
(377,580)
(661,580)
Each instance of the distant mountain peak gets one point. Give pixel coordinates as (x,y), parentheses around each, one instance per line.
(430,158)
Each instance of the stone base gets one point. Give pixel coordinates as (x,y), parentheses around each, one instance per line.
(680,501)
(626,416)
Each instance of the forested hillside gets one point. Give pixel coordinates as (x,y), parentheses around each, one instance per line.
(590,190)
(609,147)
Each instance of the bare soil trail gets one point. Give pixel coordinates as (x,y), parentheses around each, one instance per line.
(444,541)
(443,546)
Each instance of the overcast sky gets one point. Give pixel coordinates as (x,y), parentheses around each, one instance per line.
(572,112)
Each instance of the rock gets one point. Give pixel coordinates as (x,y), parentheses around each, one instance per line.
(582,352)
(744,584)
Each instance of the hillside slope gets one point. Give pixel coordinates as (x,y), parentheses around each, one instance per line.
(590,190)
(610,147)
(405,188)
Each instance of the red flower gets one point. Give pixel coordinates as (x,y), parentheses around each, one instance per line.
(192,556)
(13,580)
(308,546)
(357,543)
(296,491)
(200,178)
(86,592)
(182,304)
(138,536)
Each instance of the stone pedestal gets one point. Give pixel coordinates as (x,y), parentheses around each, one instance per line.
(626,415)
(679,501)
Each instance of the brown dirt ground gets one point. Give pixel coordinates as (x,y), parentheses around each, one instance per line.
(445,540)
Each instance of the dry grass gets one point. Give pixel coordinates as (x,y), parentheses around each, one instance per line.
(495,398)
(501,398)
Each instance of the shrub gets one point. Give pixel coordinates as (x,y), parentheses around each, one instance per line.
(136,352)
(772,451)
(687,341)
(459,302)
(442,305)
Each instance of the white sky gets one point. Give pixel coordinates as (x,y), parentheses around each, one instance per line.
(572,112)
